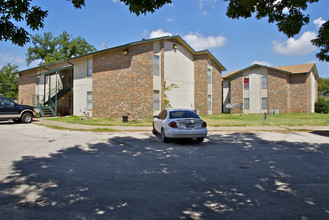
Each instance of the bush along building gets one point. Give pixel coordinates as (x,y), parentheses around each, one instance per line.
(127,80)
(283,89)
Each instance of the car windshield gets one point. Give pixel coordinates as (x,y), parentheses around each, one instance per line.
(182,114)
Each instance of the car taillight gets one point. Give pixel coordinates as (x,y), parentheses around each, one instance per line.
(172,124)
(204,124)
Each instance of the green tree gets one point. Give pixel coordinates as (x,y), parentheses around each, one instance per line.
(289,23)
(323,85)
(13,12)
(9,80)
(49,49)
(322,41)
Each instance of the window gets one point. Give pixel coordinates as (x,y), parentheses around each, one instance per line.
(182,114)
(209,102)
(209,75)
(90,67)
(264,103)
(37,80)
(264,82)
(89,101)
(156,99)
(156,65)
(246,103)
(246,83)
(163,115)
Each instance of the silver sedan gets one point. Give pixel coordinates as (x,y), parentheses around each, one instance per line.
(179,123)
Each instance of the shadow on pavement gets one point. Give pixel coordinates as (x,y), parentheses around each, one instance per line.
(231,176)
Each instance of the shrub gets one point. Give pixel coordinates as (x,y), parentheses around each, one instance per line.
(322,106)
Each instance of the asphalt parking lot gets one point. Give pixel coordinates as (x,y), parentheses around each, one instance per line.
(55,174)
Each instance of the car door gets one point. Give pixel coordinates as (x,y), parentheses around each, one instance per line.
(8,109)
(158,120)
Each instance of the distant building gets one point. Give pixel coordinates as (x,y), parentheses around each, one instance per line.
(128,79)
(265,89)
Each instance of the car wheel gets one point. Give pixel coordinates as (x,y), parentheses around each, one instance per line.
(27,117)
(164,139)
(153,130)
(199,139)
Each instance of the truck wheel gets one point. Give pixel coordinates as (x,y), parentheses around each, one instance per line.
(27,117)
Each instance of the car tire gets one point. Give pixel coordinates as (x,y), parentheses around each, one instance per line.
(199,140)
(164,139)
(153,130)
(27,117)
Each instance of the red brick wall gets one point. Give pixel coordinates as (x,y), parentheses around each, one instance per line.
(201,84)
(300,93)
(26,87)
(216,89)
(123,83)
(278,92)
(236,91)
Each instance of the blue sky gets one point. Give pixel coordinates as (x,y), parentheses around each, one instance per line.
(202,23)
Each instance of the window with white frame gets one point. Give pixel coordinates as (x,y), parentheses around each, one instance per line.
(89,101)
(264,103)
(156,65)
(246,103)
(89,67)
(156,99)
(209,102)
(264,82)
(209,75)
(246,83)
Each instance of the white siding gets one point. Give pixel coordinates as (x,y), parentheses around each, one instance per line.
(255,92)
(157,79)
(179,69)
(313,92)
(226,95)
(81,85)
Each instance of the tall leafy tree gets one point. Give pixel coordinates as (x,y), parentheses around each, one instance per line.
(290,23)
(323,85)
(9,80)
(17,11)
(50,49)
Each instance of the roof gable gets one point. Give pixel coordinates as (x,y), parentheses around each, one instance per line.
(291,69)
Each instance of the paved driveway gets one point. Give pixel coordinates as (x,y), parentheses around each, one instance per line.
(51,174)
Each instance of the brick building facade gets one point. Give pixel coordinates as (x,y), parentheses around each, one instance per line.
(128,80)
(260,89)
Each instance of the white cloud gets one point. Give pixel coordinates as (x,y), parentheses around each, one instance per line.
(115,1)
(11,58)
(159,33)
(200,42)
(171,19)
(197,41)
(292,46)
(319,22)
(263,63)
(204,13)
(202,3)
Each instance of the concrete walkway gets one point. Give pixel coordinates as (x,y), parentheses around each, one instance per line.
(42,121)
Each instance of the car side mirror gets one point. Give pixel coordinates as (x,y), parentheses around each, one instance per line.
(155,116)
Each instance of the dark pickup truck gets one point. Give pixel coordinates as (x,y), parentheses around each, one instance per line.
(16,112)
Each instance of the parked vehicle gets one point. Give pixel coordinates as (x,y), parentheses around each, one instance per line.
(179,123)
(14,111)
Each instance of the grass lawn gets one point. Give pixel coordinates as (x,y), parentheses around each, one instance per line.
(104,121)
(291,119)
